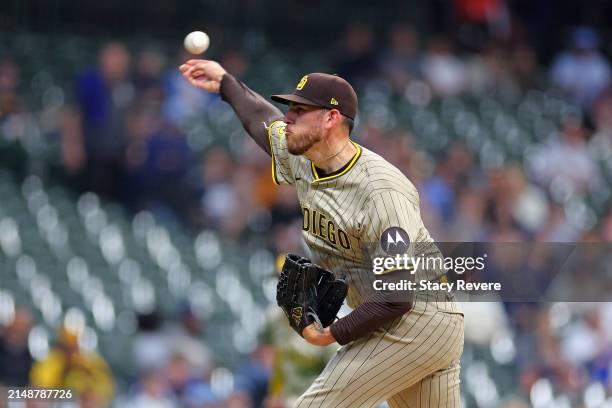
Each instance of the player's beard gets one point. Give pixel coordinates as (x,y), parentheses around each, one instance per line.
(300,143)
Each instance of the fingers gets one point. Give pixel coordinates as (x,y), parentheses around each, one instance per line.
(196,61)
(192,62)
(191,72)
(197,71)
(199,74)
(194,71)
(194,75)
(201,82)
(187,67)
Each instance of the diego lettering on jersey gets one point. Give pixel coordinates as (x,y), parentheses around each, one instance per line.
(322,226)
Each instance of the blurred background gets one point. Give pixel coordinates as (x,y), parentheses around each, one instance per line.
(140,230)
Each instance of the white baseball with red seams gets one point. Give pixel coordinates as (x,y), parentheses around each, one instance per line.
(196,42)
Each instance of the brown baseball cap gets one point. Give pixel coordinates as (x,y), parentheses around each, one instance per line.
(324,90)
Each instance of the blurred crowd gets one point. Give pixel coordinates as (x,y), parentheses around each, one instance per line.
(124,122)
(171,367)
(122,132)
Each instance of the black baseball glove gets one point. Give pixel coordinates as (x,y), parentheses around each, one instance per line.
(308,293)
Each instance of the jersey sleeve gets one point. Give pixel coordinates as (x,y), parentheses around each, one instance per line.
(391,226)
(282,161)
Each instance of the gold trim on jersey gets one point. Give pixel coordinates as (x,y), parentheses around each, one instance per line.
(274,178)
(350,166)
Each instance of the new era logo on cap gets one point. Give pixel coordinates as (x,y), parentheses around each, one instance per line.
(325,90)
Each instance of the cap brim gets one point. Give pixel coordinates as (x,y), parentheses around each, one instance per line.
(286,99)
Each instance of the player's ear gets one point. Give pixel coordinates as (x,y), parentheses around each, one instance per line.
(333,117)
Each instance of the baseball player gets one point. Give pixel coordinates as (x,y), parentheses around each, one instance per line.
(356,208)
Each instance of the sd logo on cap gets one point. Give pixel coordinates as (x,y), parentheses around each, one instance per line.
(324,90)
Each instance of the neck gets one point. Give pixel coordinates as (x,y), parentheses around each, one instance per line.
(333,154)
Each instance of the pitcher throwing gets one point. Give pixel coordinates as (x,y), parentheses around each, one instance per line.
(356,206)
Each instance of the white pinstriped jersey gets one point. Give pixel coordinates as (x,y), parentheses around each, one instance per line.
(346,214)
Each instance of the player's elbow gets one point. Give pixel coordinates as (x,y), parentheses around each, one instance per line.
(400,308)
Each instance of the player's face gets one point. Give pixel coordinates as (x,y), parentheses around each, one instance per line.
(304,127)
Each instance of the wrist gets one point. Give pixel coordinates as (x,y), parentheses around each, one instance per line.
(226,83)
(324,337)
(318,337)
(337,333)
(328,336)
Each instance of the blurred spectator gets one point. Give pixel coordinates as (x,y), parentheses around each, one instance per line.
(286,207)
(186,387)
(402,61)
(468,222)
(219,199)
(295,363)
(94,130)
(439,192)
(529,203)
(397,146)
(502,226)
(444,71)
(275,402)
(147,76)
(16,121)
(177,374)
(199,395)
(90,399)
(186,340)
(356,57)
(182,101)
(566,162)
(550,361)
(141,122)
(239,399)
(492,71)
(15,358)
(68,366)
(153,392)
(253,376)
(287,237)
(150,348)
(583,339)
(480,20)
(557,227)
(607,227)
(235,62)
(600,144)
(602,111)
(581,70)
(157,164)
(484,320)
(454,171)
(9,80)
(515,402)
(525,68)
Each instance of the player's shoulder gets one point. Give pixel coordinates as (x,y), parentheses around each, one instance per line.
(378,175)
(276,128)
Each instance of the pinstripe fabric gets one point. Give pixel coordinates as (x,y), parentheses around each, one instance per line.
(362,375)
(413,361)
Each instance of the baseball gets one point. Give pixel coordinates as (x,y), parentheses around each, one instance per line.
(196,42)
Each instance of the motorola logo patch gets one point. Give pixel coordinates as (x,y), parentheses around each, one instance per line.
(394,241)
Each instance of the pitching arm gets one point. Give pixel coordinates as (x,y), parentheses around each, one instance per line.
(253,110)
